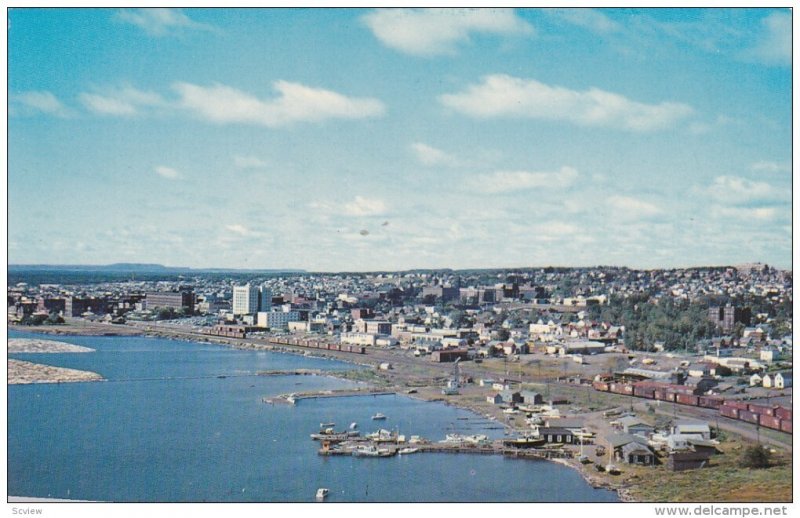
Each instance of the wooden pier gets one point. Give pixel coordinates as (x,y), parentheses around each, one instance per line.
(496,447)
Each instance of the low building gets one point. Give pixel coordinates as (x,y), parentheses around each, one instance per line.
(530,397)
(495,399)
(358,338)
(554,435)
(783,380)
(449,355)
(636,453)
(693,428)
(689,459)
(634,426)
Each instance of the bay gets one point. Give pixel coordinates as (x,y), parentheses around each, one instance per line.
(185,422)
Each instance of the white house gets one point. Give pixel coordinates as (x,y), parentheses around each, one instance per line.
(783,380)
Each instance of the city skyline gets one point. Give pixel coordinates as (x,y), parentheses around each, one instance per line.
(372,140)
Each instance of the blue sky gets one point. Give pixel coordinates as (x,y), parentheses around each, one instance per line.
(378,140)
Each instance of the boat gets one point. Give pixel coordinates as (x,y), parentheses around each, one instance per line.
(322,493)
(372,451)
(353,426)
(525,442)
(612,469)
(322,426)
(583,459)
(406,451)
(378,417)
(329,435)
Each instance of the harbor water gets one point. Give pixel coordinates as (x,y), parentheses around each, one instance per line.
(185,422)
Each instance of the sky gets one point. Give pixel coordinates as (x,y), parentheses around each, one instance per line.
(366,140)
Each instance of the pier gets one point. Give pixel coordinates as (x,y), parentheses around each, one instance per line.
(295,398)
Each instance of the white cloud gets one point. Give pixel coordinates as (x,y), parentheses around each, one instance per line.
(238,229)
(296,103)
(121,102)
(160,22)
(506,96)
(429,32)
(431,156)
(632,207)
(775,41)
(506,181)
(248,162)
(42,101)
(770,167)
(591,19)
(167,172)
(745,213)
(361,206)
(733,189)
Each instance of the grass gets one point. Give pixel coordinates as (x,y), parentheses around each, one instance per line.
(722,481)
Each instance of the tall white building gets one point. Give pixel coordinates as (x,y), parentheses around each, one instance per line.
(245,300)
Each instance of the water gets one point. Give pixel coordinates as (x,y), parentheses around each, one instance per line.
(165,428)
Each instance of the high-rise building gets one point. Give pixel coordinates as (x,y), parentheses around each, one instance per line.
(245,300)
(249,300)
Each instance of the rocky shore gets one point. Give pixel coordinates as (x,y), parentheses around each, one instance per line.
(31,345)
(22,372)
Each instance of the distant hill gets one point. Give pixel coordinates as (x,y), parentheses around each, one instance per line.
(135,268)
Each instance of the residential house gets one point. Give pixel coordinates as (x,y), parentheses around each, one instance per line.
(783,380)
(756,380)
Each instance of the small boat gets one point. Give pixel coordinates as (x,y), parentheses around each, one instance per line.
(406,451)
(378,417)
(353,426)
(322,493)
(322,426)
(612,469)
(583,459)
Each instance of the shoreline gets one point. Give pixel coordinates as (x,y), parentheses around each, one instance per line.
(186,336)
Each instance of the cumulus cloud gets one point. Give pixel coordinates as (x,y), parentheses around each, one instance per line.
(774,46)
(121,102)
(431,156)
(506,96)
(507,181)
(590,19)
(41,102)
(160,22)
(430,32)
(296,103)
(632,207)
(362,206)
(167,172)
(736,190)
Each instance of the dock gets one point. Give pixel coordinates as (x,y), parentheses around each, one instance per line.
(295,398)
(496,447)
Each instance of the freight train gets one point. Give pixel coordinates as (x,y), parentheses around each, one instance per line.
(774,417)
(316,344)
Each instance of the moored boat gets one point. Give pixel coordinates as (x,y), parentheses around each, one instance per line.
(322,493)
(378,417)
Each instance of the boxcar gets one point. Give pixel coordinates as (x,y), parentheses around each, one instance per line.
(786,426)
(750,417)
(729,411)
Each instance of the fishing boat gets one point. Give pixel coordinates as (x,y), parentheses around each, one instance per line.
(322,493)
(612,469)
(378,417)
